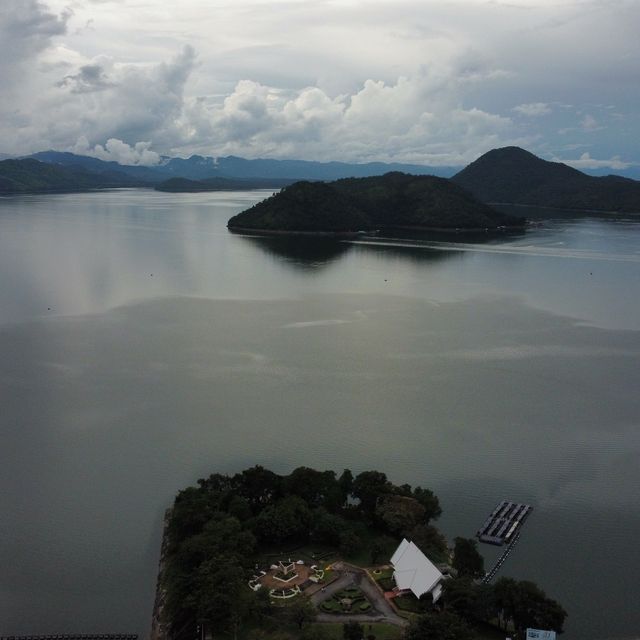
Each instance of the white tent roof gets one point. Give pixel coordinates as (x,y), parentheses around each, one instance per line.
(414,571)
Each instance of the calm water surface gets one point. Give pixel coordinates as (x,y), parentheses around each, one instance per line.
(143,346)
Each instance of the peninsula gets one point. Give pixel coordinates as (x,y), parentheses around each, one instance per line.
(291,557)
(392,201)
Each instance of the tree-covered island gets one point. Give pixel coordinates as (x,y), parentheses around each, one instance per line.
(392,201)
(262,556)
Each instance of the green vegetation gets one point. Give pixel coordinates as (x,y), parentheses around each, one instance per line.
(513,175)
(218,530)
(350,600)
(467,561)
(31,176)
(395,200)
(185,185)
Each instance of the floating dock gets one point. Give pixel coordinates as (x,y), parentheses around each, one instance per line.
(504,523)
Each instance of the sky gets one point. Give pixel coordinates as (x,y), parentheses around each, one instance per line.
(434,82)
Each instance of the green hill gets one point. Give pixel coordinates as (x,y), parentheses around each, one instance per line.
(513,175)
(395,200)
(32,176)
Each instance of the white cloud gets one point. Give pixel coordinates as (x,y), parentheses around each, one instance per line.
(118,151)
(589,123)
(533,109)
(585,161)
(331,79)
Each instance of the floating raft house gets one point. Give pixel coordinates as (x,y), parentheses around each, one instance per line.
(503,523)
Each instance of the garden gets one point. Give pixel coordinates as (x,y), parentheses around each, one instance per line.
(349,600)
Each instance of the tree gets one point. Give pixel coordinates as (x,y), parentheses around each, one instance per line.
(352,630)
(438,626)
(316,488)
(429,501)
(430,541)
(399,514)
(345,481)
(258,485)
(466,558)
(349,541)
(526,605)
(301,612)
(288,518)
(368,486)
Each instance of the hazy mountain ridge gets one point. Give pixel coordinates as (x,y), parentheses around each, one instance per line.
(201,167)
(513,175)
(32,176)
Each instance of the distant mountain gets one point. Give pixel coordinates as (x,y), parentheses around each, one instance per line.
(184,185)
(201,167)
(513,175)
(32,176)
(395,200)
(99,167)
(232,166)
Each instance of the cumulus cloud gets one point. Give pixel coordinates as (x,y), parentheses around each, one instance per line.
(118,151)
(415,119)
(533,109)
(90,77)
(585,161)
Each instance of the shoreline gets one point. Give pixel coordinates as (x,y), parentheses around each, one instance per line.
(355,234)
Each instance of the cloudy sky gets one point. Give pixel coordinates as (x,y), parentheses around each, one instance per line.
(425,81)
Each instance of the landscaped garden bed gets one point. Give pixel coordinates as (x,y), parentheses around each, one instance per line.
(349,600)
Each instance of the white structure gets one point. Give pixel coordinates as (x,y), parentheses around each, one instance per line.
(414,572)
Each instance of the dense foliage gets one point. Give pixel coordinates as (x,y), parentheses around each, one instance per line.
(31,176)
(217,529)
(185,185)
(513,175)
(395,200)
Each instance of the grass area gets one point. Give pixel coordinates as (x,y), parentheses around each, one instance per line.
(409,603)
(380,630)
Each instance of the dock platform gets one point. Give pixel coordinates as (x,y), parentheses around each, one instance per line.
(504,523)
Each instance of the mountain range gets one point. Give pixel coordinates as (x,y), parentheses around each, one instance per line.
(508,175)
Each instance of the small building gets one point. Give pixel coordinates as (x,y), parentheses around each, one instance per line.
(414,572)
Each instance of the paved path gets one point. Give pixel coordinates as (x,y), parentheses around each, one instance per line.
(381,610)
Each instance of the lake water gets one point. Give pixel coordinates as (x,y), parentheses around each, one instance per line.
(142,346)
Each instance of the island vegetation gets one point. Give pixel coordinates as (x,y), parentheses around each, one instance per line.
(514,176)
(185,185)
(32,176)
(392,201)
(221,531)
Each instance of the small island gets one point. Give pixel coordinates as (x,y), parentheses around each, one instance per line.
(317,556)
(392,201)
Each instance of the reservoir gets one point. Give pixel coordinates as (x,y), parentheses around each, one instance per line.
(143,346)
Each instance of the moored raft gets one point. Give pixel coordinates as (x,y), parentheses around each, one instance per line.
(504,522)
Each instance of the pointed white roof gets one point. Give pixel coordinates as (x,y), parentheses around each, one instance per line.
(414,571)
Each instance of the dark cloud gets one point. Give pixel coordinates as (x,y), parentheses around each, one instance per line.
(27,28)
(90,78)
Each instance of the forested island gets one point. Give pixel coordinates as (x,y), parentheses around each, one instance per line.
(185,185)
(392,201)
(229,539)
